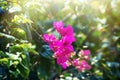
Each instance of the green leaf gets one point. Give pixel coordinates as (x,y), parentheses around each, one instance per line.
(15,9)
(18,33)
(67,74)
(2,54)
(4,61)
(24,71)
(32,51)
(8,37)
(15,73)
(13,56)
(16,48)
(41,73)
(47,53)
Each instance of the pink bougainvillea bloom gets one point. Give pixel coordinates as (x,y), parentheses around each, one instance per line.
(69,48)
(62,59)
(59,26)
(55,45)
(73,54)
(85,53)
(49,38)
(69,31)
(66,40)
(59,53)
(84,66)
(63,49)
(65,65)
(63,52)
(76,62)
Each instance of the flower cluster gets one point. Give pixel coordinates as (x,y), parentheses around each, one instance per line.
(63,49)
(80,63)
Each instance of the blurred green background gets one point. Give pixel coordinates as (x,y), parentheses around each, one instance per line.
(25,56)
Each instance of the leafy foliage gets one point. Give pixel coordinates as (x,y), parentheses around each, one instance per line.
(22,51)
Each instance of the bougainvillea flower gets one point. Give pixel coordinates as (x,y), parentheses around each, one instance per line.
(69,31)
(65,64)
(55,45)
(66,40)
(49,38)
(62,52)
(76,62)
(84,66)
(62,59)
(59,26)
(85,54)
(63,49)
(69,48)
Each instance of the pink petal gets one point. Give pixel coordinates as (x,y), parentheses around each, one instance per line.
(49,37)
(86,54)
(84,66)
(64,65)
(59,26)
(75,62)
